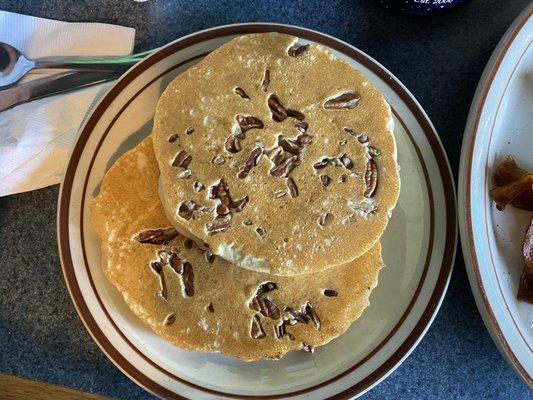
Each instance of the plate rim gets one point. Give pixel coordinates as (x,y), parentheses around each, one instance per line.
(438,154)
(465,183)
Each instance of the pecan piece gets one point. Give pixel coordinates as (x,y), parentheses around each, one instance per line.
(198,186)
(311,313)
(277,155)
(187,243)
(157,268)
(185,174)
(293,189)
(261,232)
(343,101)
(218,225)
(295,114)
(325,180)
(218,160)
(241,92)
(186,209)
(266,81)
(187,277)
(182,159)
(209,256)
(239,205)
(222,209)
(321,164)
(251,162)
(371,178)
(304,139)
(233,145)
(279,113)
(330,293)
(172,138)
(266,307)
(256,329)
(302,126)
(289,146)
(157,236)
(247,222)
(247,122)
(325,219)
(169,319)
(297,315)
(297,49)
(346,161)
(210,308)
(266,287)
(189,130)
(308,348)
(220,191)
(286,167)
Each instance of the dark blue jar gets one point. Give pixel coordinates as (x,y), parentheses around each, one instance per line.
(422,7)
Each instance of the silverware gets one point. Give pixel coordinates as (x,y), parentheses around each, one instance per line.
(53,84)
(14,65)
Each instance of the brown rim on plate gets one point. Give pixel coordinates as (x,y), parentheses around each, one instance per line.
(507,41)
(451,228)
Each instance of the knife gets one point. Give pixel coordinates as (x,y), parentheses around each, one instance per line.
(51,85)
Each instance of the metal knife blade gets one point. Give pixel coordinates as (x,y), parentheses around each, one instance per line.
(51,85)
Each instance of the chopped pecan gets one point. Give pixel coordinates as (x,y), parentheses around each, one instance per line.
(295,114)
(308,348)
(266,307)
(182,159)
(241,92)
(169,319)
(286,167)
(186,209)
(222,209)
(209,256)
(277,155)
(247,122)
(325,219)
(218,160)
(172,138)
(321,164)
(239,205)
(265,288)
(311,313)
(279,113)
(343,101)
(198,186)
(251,162)
(233,145)
(157,267)
(289,146)
(266,81)
(261,232)
(303,139)
(346,161)
(218,225)
(330,293)
(293,189)
(157,236)
(189,130)
(371,178)
(256,329)
(297,316)
(210,308)
(187,277)
(185,174)
(302,126)
(325,180)
(187,243)
(247,222)
(297,49)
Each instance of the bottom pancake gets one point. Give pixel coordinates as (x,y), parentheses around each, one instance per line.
(200,302)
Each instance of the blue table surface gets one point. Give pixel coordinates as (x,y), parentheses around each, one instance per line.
(440,59)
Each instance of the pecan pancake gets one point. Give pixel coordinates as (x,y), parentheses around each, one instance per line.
(201,302)
(280,157)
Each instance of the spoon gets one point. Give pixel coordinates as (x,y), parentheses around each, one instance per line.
(14,65)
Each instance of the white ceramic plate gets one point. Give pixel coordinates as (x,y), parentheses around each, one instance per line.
(500,123)
(419,247)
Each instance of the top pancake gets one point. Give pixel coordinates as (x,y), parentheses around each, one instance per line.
(281,159)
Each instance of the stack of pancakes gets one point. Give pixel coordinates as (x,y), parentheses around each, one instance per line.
(248,223)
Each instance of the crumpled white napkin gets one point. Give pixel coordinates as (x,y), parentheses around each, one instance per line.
(36,138)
